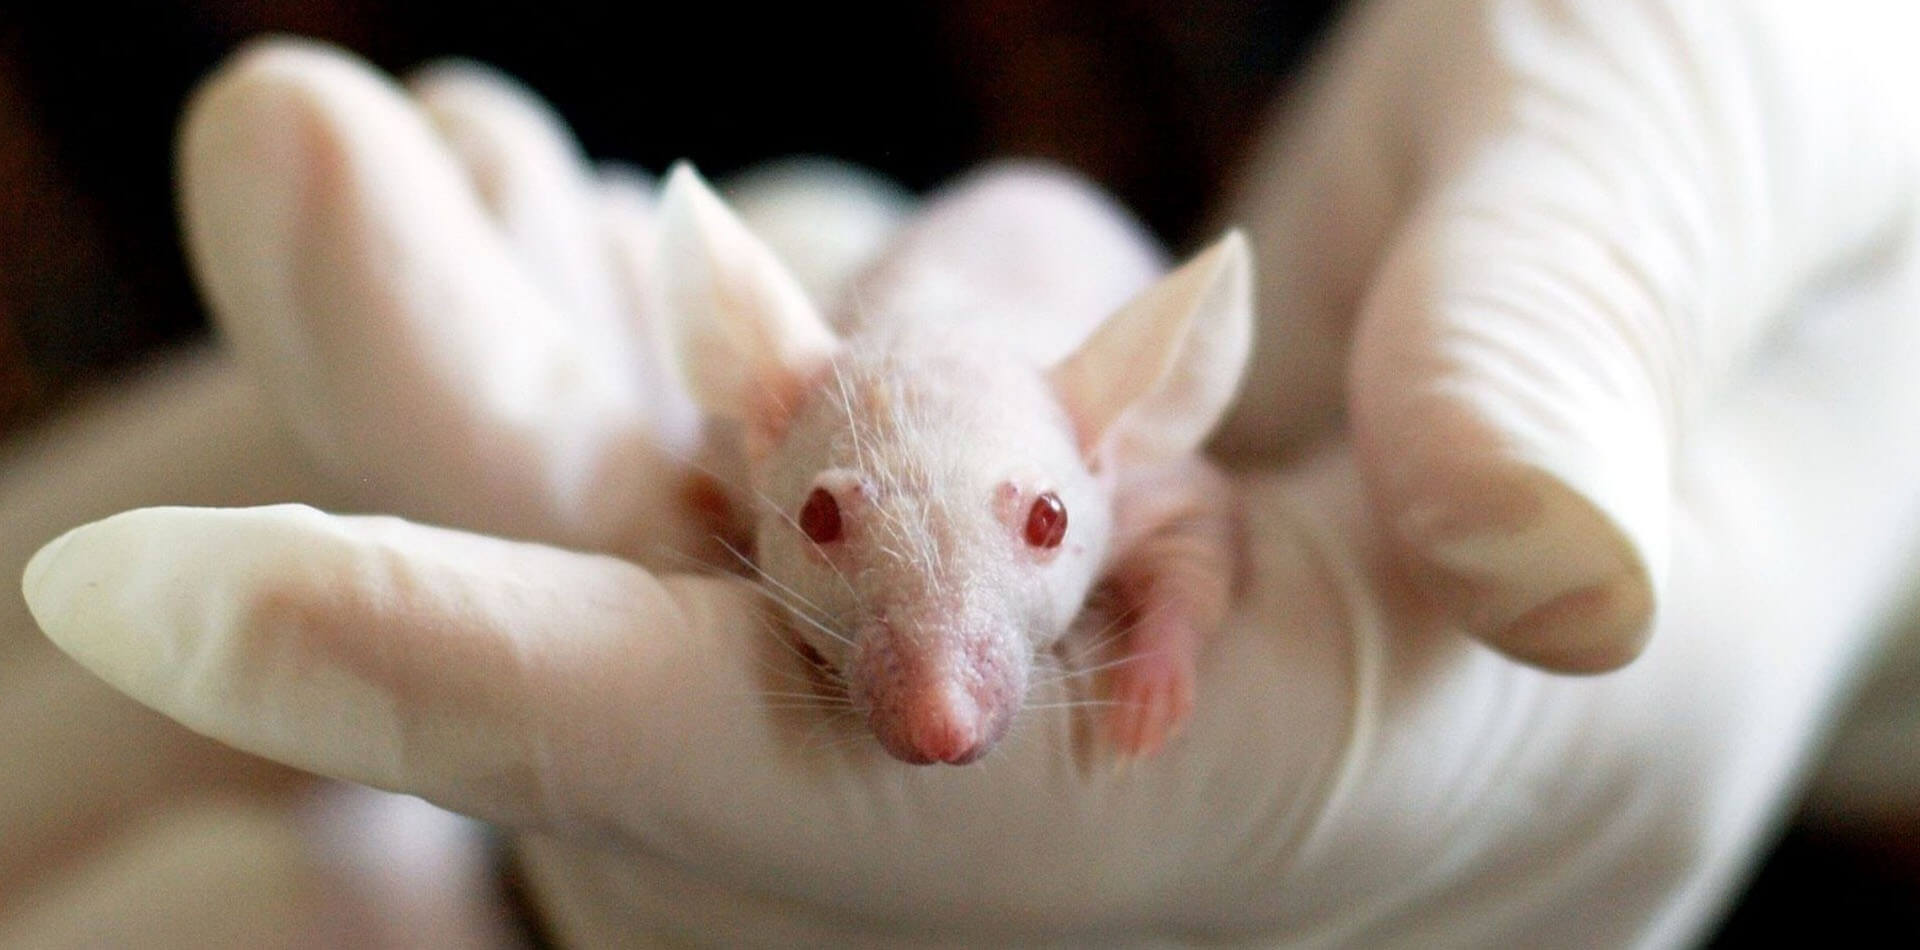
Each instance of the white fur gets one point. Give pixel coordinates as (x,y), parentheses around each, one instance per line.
(945,409)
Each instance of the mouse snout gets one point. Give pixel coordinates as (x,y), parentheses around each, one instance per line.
(942,724)
(933,701)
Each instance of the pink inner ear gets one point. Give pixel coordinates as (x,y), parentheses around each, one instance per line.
(1091,443)
(1097,386)
(782,394)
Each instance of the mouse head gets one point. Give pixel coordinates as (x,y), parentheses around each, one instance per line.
(931,506)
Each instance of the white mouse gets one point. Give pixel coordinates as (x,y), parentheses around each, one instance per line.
(1004,412)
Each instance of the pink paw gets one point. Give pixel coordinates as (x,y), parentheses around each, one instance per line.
(1152,695)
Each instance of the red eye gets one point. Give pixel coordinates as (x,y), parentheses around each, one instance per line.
(1046,521)
(820,517)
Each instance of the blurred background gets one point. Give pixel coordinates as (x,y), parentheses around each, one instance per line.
(1156,101)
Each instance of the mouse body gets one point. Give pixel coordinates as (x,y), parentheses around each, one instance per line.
(1000,414)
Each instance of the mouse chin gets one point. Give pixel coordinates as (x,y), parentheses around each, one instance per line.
(929,706)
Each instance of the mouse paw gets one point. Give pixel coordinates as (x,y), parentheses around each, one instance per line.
(1152,695)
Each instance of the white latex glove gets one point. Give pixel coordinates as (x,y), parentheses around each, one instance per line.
(118,827)
(449,305)
(1554,244)
(1357,770)
(103,801)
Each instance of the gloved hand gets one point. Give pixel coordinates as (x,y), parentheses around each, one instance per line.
(1582,239)
(119,827)
(1538,252)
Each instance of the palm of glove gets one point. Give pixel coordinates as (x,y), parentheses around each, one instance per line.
(1538,411)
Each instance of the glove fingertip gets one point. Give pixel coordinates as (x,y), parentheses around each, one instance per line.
(1533,567)
(1596,629)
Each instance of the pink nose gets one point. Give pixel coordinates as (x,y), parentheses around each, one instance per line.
(942,723)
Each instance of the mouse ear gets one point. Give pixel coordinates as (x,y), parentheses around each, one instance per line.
(1156,376)
(741,329)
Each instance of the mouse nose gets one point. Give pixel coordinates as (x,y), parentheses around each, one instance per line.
(936,696)
(945,725)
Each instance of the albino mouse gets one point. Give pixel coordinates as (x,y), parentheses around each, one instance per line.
(1002,413)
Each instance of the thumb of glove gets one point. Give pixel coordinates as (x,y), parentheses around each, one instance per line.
(1584,281)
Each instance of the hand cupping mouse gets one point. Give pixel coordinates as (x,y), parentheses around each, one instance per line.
(1596,389)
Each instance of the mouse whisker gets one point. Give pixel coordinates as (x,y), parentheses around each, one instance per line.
(797,707)
(755,496)
(797,686)
(787,597)
(791,601)
(693,562)
(774,594)
(788,673)
(1122,624)
(1119,625)
(794,679)
(1110,664)
(828,631)
(793,523)
(1073,665)
(747,562)
(831,734)
(823,699)
(1072,704)
(833,678)
(678,558)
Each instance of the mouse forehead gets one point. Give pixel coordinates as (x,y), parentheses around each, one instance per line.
(943,415)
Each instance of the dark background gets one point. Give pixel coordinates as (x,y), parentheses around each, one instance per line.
(1152,99)
(1155,100)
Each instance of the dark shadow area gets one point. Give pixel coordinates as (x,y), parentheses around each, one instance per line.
(1153,100)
